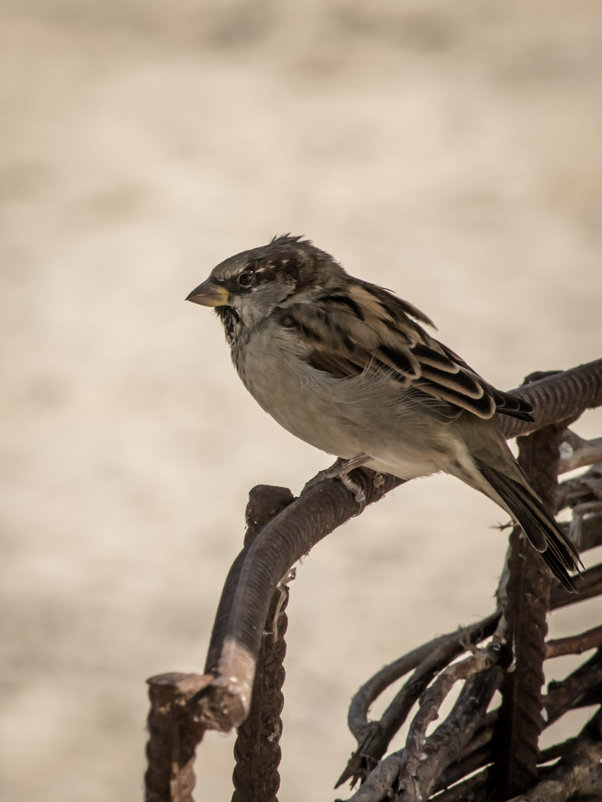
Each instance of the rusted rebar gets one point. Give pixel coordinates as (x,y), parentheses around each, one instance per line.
(257,749)
(173,737)
(525,611)
(575,644)
(174,724)
(412,771)
(265,502)
(373,737)
(557,397)
(575,689)
(577,765)
(422,759)
(284,540)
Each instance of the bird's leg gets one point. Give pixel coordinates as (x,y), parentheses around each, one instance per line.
(340,470)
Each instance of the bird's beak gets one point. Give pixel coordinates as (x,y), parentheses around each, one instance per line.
(209,293)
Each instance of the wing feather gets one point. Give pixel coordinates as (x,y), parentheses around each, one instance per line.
(365,327)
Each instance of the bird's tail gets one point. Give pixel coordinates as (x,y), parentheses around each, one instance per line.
(536,522)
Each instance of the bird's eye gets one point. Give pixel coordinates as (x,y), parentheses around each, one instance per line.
(246,279)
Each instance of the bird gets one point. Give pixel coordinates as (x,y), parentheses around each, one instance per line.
(350,368)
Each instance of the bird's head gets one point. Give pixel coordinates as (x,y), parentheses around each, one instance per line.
(252,284)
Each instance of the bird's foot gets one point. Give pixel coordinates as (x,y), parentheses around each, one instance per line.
(340,470)
(353,487)
(379,480)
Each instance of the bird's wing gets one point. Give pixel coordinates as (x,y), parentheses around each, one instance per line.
(366,328)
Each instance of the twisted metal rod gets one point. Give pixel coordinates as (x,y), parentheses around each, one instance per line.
(373,737)
(257,748)
(173,737)
(281,543)
(557,397)
(525,609)
(480,751)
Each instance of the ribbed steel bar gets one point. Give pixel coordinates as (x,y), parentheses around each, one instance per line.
(525,610)
(557,397)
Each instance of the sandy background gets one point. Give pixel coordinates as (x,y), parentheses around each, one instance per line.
(451,152)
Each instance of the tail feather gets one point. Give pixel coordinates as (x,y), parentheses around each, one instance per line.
(537,523)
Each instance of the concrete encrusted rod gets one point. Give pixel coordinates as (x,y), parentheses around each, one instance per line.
(174,735)
(174,726)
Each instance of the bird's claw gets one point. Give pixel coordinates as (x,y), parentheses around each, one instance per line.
(340,470)
(353,487)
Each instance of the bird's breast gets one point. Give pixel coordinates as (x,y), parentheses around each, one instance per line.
(344,417)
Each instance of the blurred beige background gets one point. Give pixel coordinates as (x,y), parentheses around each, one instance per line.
(451,152)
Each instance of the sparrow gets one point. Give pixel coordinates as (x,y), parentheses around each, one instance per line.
(350,368)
